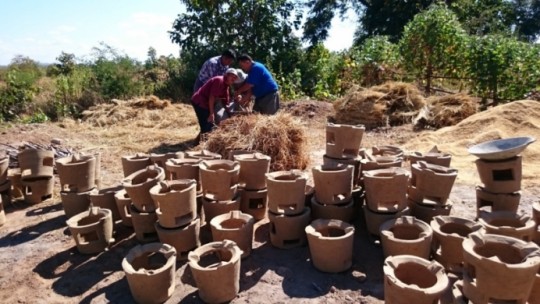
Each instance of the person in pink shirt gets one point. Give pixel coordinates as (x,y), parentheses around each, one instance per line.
(205,99)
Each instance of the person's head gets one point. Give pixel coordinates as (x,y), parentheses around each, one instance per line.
(245,62)
(241,77)
(228,57)
(231,75)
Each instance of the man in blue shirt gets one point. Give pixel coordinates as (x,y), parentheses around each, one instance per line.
(262,85)
(215,66)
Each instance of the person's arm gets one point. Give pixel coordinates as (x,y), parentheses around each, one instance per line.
(245,87)
(246,98)
(211,102)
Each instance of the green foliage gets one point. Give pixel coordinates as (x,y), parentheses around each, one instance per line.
(36,117)
(434,43)
(20,87)
(116,75)
(375,60)
(503,68)
(70,89)
(65,66)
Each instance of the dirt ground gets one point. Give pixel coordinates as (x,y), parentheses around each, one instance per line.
(39,262)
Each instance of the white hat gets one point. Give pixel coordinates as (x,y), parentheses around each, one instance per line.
(231,71)
(241,76)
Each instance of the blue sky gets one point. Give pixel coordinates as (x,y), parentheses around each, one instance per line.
(41,29)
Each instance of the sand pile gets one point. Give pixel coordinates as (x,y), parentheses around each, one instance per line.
(279,136)
(515,119)
(444,111)
(393,103)
(146,112)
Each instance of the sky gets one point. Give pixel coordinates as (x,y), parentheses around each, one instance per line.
(41,30)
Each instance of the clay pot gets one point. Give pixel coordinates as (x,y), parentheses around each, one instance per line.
(123,204)
(150,271)
(378,162)
(134,163)
(434,156)
(254,203)
(160,159)
(509,224)
(286,192)
(497,201)
(4,165)
(288,231)
(386,189)
(391,151)
(185,168)
(14,175)
(426,212)
(433,182)
(235,226)
(536,218)
(333,184)
(5,192)
(502,176)
(253,169)
(77,173)
(219,179)
(97,167)
(184,239)
(309,195)
(330,244)
(216,270)
(176,201)
(411,279)
(138,185)
(213,208)
(104,198)
(232,153)
(448,235)
(92,230)
(75,203)
(343,212)
(143,224)
(355,162)
(35,163)
(343,141)
(406,235)
(202,155)
(37,190)
(374,219)
(498,267)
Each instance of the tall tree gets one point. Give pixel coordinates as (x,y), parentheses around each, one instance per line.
(262,28)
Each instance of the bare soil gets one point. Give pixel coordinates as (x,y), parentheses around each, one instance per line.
(39,262)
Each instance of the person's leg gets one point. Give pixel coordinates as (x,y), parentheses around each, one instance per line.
(268,104)
(202,116)
(221,113)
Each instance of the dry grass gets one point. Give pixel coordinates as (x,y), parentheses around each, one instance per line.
(148,112)
(393,103)
(444,111)
(280,136)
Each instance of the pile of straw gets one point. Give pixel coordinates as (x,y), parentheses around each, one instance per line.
(280,136)
(148,112)
(444,111)
(392,103)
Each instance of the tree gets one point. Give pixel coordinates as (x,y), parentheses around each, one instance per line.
(434,43)
(264,29)
(520,18)
(503,68)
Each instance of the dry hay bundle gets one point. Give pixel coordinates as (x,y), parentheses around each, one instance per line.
(361,106)
(444,111)
(392,103)
(146,113)
(149,102)
(280,136)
